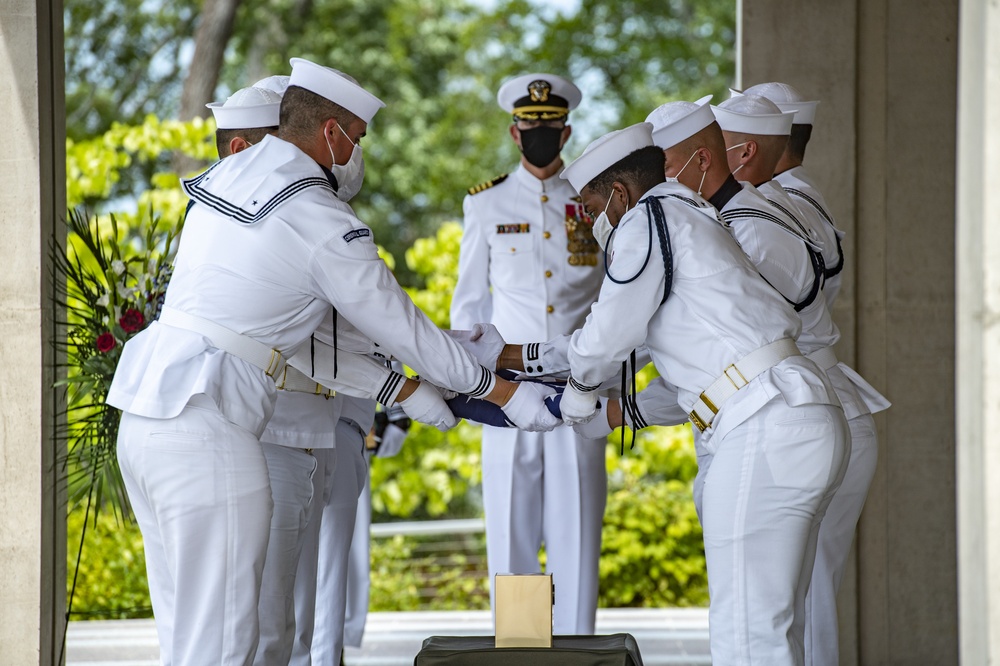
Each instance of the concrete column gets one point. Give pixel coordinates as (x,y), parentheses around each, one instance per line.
(884,152)
(32,170)
(978,376)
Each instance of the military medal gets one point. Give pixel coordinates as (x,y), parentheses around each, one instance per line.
(581,244)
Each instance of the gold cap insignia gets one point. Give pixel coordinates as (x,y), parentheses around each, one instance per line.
(539,90)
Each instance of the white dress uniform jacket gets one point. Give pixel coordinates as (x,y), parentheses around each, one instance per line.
(777,447)
(529,264)
(528,240)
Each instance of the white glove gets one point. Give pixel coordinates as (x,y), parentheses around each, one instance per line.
(597,427)
(527,409)
(578,406)
(483,341)
(546,358)
(427,406)
(392,441)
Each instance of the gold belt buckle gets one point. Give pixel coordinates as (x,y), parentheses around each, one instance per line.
(696,420)
(274,363)
(733,381)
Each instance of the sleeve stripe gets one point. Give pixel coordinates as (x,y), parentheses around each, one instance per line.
(582,388)
(485,380)
(389,388)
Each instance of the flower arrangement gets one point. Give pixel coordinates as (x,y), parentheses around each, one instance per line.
(109,289)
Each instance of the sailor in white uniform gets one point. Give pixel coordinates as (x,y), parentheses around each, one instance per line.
(321,585)
(267,249)
(761,218)
(529,264)
(387,437)
(302,423)
(860,399)
(725,339)
(340,591)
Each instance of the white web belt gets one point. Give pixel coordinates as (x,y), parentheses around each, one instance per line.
(253,352)
(243,346)
(824,358)
(736,376)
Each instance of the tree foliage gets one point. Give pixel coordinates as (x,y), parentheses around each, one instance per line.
(133,163)
(124,60)
(436,63)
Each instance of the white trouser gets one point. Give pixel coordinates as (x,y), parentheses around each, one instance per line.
(359,569)
(305,578)
(336,531)
(764,493)
(199,488)
(291,471)
(836,534)
(547,488)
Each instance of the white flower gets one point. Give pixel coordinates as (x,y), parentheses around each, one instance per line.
(118,266)
(104,300)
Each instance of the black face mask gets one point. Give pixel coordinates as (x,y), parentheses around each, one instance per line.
(541,145)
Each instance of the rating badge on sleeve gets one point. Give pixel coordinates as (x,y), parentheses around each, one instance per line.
(581,244)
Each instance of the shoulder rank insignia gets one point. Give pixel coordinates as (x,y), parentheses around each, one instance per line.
(482,187)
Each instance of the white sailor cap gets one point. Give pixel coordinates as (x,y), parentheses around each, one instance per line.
(247,108)
(674,122)
(539,97)
(335,86)
(277,83)
(786,98)
(605,152)
(750,114)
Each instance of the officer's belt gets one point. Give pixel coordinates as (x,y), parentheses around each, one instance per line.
(736,376)
(242,346)
(824,358)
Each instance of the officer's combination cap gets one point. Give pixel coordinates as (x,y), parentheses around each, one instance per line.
(539,97)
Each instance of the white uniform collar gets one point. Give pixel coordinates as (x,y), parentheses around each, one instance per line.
(533,183)
(251,184)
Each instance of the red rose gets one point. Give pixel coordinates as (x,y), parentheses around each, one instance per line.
(106,342)
(132,321)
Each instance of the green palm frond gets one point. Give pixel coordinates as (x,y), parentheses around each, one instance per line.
(99,277)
